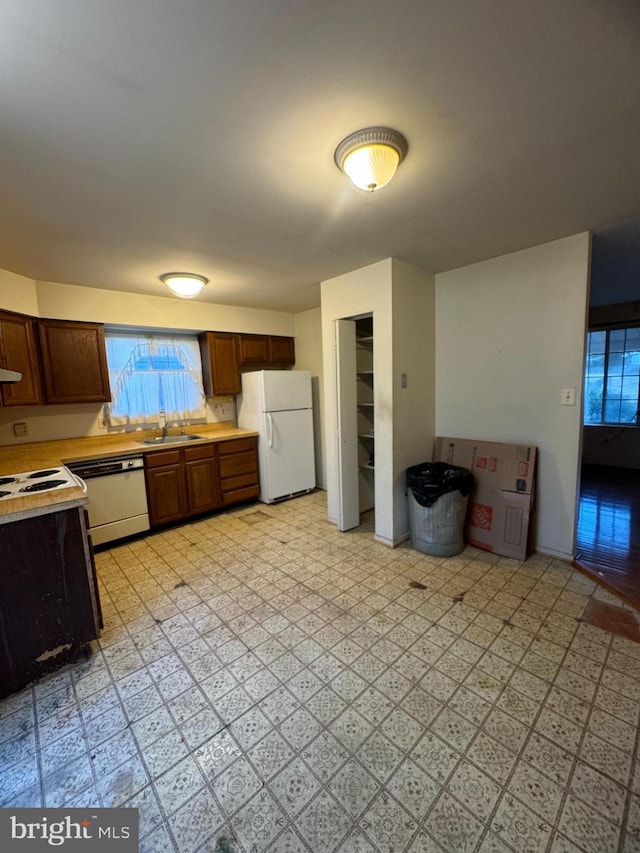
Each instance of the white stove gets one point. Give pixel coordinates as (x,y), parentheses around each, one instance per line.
(35,482)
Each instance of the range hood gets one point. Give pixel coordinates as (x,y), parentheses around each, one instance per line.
(9,375)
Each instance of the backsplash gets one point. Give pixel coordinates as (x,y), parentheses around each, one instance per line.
(48,423)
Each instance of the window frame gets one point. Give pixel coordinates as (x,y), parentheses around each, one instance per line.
(602,422)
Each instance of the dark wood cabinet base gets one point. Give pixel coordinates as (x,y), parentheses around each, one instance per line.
(49,606)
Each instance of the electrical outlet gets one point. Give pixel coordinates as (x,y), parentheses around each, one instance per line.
(568,396)
(20,430)
(403,380)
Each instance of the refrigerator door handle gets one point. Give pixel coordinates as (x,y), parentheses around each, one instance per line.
(270,422)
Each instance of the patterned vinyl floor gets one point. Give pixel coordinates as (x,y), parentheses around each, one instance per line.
(266,683)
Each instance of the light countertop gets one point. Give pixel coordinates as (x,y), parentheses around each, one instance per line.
(15,459)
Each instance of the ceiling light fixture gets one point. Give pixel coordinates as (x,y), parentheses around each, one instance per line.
(371,156)
(184,284)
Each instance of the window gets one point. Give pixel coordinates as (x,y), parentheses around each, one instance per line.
(151,373)
(612,377)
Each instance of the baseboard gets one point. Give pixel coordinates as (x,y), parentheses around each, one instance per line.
(558,555)
(391,543)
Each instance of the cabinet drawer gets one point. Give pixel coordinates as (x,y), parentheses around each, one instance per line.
(236,445)
(239,482)
(162,457)
(203,451)
(239,463)
(238,495)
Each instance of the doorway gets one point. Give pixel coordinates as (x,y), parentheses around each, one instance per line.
(356,435)
(608,527)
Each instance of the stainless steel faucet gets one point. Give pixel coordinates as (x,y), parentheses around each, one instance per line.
(163,423)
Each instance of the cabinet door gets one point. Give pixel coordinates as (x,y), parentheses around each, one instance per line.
(166,494)
(220,370)
(253,349)
(203,493)
(18,351)
(281,350)
(74,362)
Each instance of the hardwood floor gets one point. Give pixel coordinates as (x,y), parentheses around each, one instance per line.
(608,536)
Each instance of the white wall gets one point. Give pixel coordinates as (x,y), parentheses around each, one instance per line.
(308,333)
(18,293)
(70,302)
(510,336)
(413,320)
(401,299)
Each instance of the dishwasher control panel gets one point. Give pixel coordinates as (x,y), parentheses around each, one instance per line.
(104,467)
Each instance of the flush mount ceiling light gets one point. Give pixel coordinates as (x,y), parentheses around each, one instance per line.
(184,284)
(371,156)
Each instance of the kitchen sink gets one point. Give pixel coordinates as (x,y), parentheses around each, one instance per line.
(169,439)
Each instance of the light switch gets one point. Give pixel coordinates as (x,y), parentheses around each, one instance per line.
(403,380)
(568,396)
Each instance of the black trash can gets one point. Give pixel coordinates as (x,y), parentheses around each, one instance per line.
(437,495)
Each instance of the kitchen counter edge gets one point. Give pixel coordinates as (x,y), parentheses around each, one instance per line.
(50,454)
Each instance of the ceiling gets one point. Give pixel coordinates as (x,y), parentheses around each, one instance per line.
(144,136)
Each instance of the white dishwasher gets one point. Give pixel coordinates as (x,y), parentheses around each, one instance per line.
(117,496)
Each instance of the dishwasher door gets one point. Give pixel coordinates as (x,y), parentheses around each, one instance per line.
(117,505)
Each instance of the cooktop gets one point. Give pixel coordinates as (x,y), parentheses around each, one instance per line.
(28,482)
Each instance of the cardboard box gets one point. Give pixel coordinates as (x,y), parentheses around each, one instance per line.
(501,503)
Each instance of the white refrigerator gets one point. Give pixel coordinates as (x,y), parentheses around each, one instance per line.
(277,405)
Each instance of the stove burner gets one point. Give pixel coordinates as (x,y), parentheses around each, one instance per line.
(43,485)
(4,494)
(37,474)
(4,481)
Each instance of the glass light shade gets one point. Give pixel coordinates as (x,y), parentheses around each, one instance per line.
(184,284)
(372,166)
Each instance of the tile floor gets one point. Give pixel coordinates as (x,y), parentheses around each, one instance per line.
(266,683)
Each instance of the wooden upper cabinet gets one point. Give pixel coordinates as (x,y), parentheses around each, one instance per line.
(19,351)
(220,369)
(281,350)
(74,362)
(264,350)
(253,349)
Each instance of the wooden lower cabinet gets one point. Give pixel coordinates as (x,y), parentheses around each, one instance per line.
(166,487)
(187,481)
(49,603)
(203,490)
(239,478)
(182,482)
